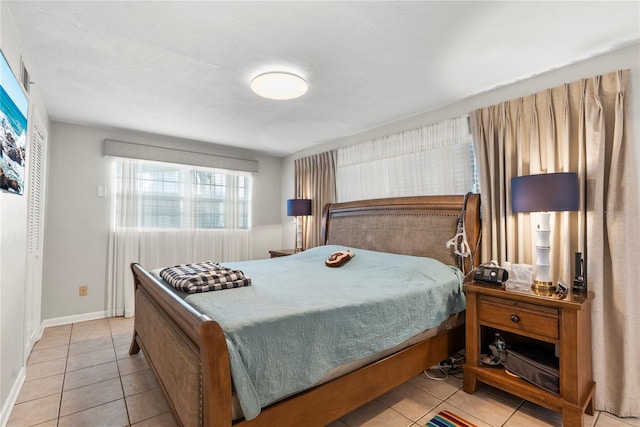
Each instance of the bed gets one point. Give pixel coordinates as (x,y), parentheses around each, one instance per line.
(189,352)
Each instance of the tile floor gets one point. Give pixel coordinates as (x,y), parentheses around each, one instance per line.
(82,375)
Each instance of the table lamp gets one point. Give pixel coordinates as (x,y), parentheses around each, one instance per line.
(296,208)
(544,193)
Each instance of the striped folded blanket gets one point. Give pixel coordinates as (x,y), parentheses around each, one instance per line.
(203,277)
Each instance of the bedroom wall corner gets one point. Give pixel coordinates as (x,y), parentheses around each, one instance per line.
(78,220)
(266,227)
(13,238)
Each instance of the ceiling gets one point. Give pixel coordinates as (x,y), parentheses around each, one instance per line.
(183,68)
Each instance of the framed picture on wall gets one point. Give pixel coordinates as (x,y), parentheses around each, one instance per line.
(14,108)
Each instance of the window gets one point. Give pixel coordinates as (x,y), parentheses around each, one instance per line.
(168,214)
(168,196)
(211,203)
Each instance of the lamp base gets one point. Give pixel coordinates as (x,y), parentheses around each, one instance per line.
(543,288)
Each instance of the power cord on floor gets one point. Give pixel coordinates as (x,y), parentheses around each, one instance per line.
(450,367)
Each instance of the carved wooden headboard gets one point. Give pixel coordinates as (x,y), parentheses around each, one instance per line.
(419,225)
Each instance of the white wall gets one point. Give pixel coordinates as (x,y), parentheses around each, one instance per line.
(77,220)
(13,241)
(626,58)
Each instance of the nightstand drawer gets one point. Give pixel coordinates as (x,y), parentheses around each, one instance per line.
(527,319)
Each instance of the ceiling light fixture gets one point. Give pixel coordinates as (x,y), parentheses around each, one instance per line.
(279,85)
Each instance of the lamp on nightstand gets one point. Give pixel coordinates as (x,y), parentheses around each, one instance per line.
(297,208)
(551,192)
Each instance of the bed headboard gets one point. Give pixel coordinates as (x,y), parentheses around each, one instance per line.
(419,225)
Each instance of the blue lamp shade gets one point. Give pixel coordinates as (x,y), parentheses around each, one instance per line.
(549,192)
(298,207)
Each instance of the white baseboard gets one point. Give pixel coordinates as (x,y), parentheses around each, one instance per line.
(13,396)
(32,340)
(66,320)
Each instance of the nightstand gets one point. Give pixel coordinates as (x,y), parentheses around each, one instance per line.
(549,322)
(281,252)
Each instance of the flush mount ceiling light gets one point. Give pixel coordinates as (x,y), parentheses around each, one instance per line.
(279,85)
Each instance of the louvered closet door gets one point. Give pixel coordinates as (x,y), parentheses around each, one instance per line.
(33,294)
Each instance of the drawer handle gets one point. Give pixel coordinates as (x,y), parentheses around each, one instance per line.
(515,318)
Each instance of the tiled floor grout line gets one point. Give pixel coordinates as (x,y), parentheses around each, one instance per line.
(64,376)
(124,397)
(513,413)
(424,414)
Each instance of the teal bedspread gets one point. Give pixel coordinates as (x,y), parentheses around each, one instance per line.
(300,319)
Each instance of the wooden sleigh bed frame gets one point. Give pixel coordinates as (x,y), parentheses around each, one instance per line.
(188,354)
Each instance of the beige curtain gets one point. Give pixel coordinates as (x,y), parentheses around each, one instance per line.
(582,127)
(315,179)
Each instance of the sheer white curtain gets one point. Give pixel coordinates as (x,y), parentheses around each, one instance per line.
(166,214)
(430,160)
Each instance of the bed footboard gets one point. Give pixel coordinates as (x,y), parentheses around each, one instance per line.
(175,341)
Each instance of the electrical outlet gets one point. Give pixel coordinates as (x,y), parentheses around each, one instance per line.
(83,291)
